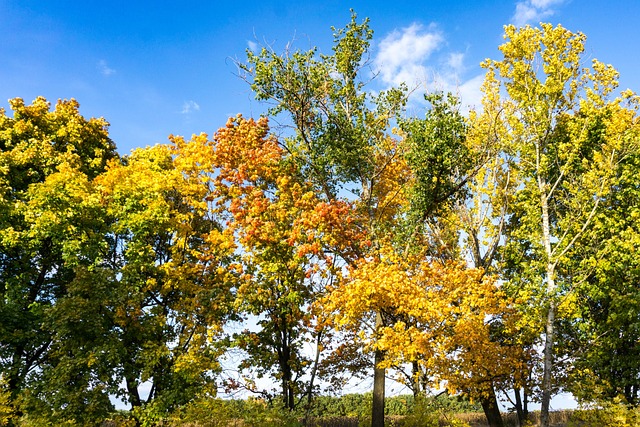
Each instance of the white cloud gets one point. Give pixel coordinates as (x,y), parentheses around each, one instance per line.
(470,93)
(189,107)
(533,11)
(104,69)
(409,56)
(455,61)
(402,54)
(253,46)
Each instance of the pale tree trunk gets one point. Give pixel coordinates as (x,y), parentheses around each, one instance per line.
(548,364)
(551,315)
(377,409)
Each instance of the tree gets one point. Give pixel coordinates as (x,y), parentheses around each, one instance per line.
(48,230)
(552,110)
(482,217)
(341,136)
(605,336)
(169,265)
(280,226)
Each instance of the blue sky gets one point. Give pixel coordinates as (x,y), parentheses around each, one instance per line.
(157,68)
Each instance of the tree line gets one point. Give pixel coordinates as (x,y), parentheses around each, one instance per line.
(488,254)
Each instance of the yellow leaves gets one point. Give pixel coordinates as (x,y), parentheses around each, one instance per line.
(437,314)
(542,74)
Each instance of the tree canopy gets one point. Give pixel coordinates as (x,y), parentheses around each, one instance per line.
(489,254)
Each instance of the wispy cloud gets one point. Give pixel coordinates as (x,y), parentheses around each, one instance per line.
(414,55)
(253,46)
(189,107)
(470,93)
(402,54)
(533,11)
(455,61)
(104,68)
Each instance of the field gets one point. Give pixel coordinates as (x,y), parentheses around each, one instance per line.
(474,419)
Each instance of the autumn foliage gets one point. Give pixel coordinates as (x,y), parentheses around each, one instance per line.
(466,253)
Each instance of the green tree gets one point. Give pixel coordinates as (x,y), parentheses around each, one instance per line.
(552,110)
(606,337)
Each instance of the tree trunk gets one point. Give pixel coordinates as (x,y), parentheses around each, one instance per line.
(519,411)
(288,398)
(415,381)
(377,410)
(132,390)
(548,364)
(284,360)
(491,409)
(522,410)
(134,396)
(551,315)
(314,371)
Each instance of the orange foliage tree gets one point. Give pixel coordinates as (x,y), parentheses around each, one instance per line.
(282,229)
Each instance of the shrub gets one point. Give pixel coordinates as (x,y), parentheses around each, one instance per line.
(429,412)
(213,412)
(6,410)
(606,414)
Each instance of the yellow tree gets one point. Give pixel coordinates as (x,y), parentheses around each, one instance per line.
(167,265)
(50,228)
(481,217)
(439,315)
(552,108)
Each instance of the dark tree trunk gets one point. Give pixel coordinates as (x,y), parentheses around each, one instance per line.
(132,390)
(520,408)
(491,409)
(415,370)
(287,391)
(377,410)
(314,371)
(284,360)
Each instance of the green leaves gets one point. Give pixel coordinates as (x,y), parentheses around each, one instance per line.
(335,121)
(50,233)
(438,155)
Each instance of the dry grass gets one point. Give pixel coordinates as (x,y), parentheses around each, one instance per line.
(556,419)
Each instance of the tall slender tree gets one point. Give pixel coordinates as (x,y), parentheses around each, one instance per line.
(552,107)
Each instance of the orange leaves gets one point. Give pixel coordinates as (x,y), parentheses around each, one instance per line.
(269,201)
(244,153)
